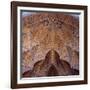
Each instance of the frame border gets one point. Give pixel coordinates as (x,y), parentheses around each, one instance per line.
(14,5)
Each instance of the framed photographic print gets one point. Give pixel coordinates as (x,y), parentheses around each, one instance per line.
(48,44)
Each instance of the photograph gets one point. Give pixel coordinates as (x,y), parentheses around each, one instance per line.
(48,44)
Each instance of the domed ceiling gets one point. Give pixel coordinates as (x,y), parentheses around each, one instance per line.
(43,31)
